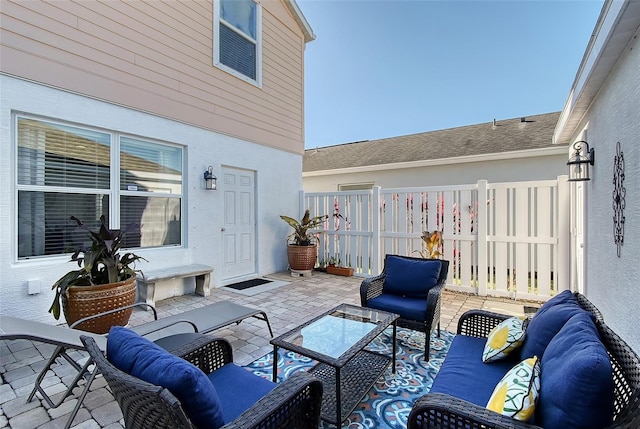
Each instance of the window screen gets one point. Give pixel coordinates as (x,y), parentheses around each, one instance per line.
(239,37)
(65,170)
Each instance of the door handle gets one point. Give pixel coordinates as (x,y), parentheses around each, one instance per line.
(222,229)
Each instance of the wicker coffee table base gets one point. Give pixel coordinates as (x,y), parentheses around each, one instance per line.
(344,390)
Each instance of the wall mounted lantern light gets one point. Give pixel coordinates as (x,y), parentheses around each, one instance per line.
(210,180)
(580,160)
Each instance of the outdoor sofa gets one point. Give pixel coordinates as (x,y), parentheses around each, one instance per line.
(589,378)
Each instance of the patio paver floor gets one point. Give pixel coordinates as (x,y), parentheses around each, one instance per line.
(287,306)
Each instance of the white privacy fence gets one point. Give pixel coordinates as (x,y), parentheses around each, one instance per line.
(503,239)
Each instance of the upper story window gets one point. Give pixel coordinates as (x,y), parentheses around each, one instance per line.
(238,39)
(65,170)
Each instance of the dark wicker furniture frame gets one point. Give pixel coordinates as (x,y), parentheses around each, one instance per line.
(373,286)
(437,410)
(346,379)
(293,403)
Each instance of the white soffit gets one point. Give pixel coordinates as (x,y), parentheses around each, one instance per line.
(301,20)
(616,27)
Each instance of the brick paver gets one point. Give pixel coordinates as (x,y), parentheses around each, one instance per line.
(287,306)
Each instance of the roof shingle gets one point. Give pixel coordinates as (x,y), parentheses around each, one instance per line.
(509,135)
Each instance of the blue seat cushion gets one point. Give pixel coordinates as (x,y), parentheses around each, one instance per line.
(407,308)
(411,277)
(239,389)
(546,323)
(464,375)
(139,357)
(577,389)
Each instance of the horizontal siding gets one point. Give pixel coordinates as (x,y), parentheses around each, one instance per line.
(157,57)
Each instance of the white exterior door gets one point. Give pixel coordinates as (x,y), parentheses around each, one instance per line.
(239,229)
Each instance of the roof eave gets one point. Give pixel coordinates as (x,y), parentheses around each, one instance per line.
(616,26)
(301,20)
(546,151)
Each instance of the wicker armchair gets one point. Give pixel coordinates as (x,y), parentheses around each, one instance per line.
(294,403)
(438,410)
(373,287)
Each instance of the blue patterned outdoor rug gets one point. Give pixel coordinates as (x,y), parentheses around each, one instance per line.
(388,403)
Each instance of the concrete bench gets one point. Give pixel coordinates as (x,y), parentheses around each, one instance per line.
(147,280)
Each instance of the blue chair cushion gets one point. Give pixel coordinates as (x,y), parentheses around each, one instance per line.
(239,389)
(546,323)
(407,308)
(465,376)
(411,277)
(576,379)
(137,356)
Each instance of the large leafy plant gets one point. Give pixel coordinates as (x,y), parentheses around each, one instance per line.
(301,235)
(99,264)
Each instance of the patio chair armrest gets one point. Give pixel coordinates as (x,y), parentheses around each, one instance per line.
(115,310)
(433,300)
(438,410)
(295,402)
(370,288)
(207,353)
(479,323)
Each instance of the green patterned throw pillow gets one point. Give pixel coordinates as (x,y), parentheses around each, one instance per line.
(516,394)
(503,339)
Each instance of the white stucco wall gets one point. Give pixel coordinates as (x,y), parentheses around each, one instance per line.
(504,170)
(612,282)
(278,182)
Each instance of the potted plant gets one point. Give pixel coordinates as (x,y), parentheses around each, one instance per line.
(432,244)
(336,269)
(105,280)
(302,248)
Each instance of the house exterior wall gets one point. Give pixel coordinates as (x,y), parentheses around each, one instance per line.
(445,172)
(611,281)
(277,185)
(157,57)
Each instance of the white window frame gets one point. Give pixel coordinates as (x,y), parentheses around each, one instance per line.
(114,190)
(363,186)
(216,44)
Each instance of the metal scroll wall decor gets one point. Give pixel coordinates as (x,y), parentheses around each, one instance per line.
(619,193)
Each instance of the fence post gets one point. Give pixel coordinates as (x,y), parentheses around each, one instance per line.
(562,276)
(376,258)
(302,204)
(481,238)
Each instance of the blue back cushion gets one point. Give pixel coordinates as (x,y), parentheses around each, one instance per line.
(410,277)
(577,389)
(564,297)
(137,356)
(547,322)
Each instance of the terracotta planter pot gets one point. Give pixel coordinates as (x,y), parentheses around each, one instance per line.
(84,301)
(340,271)
(302,258)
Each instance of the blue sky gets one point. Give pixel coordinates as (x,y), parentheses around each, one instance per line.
(381,69)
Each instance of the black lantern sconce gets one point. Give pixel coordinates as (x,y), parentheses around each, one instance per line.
(580,161)
(210,180)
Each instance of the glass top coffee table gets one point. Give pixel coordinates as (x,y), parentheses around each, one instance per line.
(336,339)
